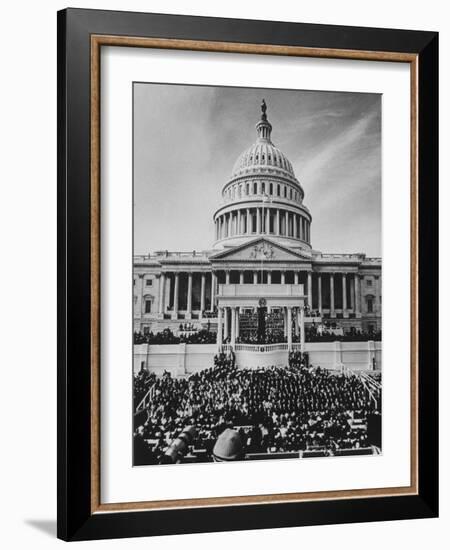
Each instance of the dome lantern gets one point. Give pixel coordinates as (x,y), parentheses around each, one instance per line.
(263,127)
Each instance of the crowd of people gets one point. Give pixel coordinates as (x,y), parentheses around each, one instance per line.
(274,409)
(190,335)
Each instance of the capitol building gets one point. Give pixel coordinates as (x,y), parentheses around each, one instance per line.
(262,275)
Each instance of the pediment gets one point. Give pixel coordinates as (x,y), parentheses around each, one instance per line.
(261,249)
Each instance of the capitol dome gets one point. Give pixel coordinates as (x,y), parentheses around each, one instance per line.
(260,156)
(263,196)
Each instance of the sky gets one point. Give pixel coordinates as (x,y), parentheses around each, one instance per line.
(187,139)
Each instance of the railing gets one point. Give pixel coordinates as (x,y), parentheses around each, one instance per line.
(282,346)
(372,386)
(146,400)
(261,347)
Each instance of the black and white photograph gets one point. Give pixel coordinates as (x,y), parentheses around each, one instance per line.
(257,284)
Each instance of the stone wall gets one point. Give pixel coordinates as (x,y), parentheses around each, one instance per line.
(182,359)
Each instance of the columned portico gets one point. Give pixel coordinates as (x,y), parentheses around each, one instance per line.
(232,297)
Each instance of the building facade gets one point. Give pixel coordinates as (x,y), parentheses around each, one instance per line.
(262,249)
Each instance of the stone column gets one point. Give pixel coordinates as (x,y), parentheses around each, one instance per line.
(332,312)
(283,278)
(237,322)
(249,225)
(227,277)
(352,293)
(139,292)
(241,277)
(258,221)
(255,277)
(219,329)
(233,327)
(344,295)
(239,223)
(285,321)
(296,278)
(269,277)
(230,229)
(162,284)
(175,296)
(286,221)
(189,297)
(289,328)
(319,291)
(202,293)
(302,329)
(226,323)
(357,295)
(377,309)
(278,222)
(310,304)
(213,290)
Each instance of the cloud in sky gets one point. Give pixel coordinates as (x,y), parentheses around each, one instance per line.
(187,139)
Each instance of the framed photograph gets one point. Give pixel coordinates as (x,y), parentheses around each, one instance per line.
(247,274)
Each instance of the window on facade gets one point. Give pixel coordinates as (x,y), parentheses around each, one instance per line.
(134,282)
(148,306)
(255,187)
(369,305)
(271,189)
(285,192)
(263,187)
(149,282)
(146,331)
(290,194)
(369,282)
(278,190)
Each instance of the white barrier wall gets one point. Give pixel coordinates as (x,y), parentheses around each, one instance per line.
(181,359)
(178,358)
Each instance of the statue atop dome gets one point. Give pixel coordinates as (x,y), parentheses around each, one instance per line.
(263,109)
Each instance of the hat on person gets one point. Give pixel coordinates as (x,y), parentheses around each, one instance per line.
(228,446)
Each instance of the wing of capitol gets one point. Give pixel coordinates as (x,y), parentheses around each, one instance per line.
(260,347)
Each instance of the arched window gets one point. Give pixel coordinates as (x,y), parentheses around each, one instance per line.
(263,187)
(255,188)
